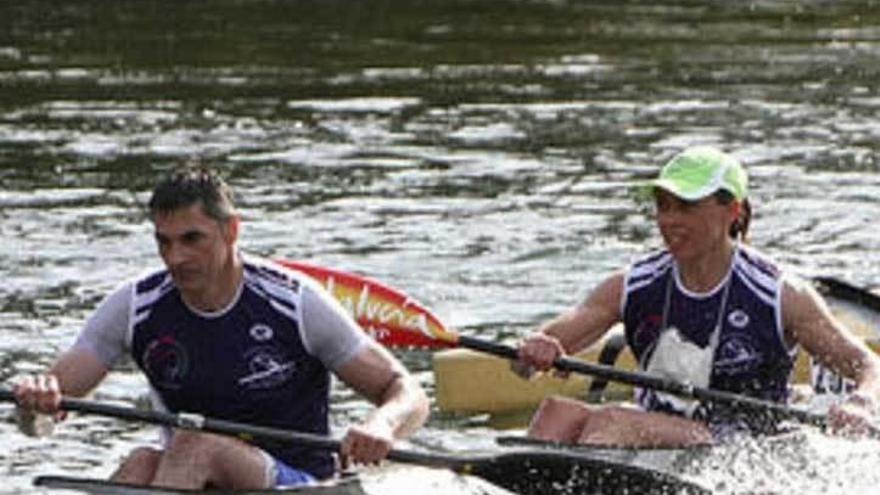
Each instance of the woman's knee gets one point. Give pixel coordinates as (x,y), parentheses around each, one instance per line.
(615,425)
(559,419)
(608,415)
(561,406)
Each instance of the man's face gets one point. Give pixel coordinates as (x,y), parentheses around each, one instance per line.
(194,246)
(692,228)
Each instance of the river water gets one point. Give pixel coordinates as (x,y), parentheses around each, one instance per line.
(476,154)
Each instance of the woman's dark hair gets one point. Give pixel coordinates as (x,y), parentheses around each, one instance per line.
(739,229)
(189,185)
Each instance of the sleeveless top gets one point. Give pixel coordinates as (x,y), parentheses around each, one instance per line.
(751,356)
(246,363)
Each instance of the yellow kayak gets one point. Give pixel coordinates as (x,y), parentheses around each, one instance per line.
(472,382)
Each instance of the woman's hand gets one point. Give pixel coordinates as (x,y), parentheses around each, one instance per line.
(537,352)
(855,417)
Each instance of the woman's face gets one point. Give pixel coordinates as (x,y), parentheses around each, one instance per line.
(693,229)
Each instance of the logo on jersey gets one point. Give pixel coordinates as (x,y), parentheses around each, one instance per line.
(738,318)
(261,332)
(648,330)
(166,362)
(736,354)
(268,367)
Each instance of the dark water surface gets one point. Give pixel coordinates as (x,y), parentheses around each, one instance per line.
(474,153)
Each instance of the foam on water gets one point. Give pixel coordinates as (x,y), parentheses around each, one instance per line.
(805,463)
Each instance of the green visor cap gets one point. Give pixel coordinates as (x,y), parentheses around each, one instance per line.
(698,172)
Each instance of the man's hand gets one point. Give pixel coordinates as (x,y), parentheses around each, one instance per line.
(38,393)
(367,443)
(37,398)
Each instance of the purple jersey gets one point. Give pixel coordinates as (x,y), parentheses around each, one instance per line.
(751,357)
(246,363)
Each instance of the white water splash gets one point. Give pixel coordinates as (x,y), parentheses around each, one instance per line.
(804,463)
(394,479)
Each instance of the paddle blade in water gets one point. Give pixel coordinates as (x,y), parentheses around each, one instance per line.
(540,472)
(387,314)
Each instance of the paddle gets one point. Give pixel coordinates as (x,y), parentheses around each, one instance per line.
(847,291)
(387,314)
(661,384)
(521,471)
(406,322)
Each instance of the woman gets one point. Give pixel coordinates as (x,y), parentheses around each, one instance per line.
(706,309)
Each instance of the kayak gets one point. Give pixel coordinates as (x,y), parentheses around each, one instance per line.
(394,319)
(520,470)
(472,382)
(549,471)
(345,486)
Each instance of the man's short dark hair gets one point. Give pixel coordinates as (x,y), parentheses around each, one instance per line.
(191,185)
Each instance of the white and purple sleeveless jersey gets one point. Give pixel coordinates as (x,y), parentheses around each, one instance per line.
(752,357)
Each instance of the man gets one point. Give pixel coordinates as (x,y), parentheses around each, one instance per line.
(227,335)
(708,310)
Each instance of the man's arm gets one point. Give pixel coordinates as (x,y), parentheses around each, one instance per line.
(81,368)
(402,403)
(332,335)
(76,372)
(79,371)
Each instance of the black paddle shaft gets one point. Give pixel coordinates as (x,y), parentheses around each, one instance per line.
(654,382)
(524,471)
(242,431)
